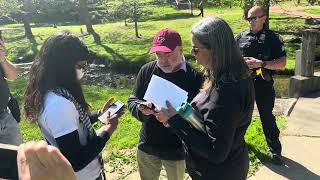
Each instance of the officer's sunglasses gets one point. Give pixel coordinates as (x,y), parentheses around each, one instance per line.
(254,18)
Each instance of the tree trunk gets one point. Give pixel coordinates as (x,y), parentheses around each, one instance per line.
(135,19)
(27,28)
(27,6)
(191,7)
(84,15)
(266,5)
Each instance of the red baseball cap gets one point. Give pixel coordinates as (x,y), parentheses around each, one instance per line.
(166,41)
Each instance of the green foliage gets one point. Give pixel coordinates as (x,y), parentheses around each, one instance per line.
(125,53)
(312,11)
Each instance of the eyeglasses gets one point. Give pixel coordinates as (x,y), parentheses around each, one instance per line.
(195,50)
(254,18)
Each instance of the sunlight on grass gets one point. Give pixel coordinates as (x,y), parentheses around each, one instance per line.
(312,11)
(119,41)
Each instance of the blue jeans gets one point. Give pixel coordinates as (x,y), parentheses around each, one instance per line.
(9,129)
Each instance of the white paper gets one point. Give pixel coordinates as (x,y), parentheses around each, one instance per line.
(159,90)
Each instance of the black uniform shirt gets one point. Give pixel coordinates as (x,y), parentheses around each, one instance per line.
(265,45)
(4,91)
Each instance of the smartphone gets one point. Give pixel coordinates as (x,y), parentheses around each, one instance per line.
(113,109)
(8,161)
(146,107)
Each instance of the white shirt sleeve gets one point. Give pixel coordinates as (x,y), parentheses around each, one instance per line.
(61,117)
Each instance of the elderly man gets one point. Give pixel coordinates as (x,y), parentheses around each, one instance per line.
(157,144)
(263,50)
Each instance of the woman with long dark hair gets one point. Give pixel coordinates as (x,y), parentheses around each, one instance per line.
(224,104)
(54,99)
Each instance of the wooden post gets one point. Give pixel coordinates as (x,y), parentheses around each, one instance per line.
(308,52)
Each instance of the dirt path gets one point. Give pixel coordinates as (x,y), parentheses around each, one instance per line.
(296,11)
(293,12)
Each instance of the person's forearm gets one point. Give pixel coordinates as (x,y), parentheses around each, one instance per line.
(9,69)
(276,64)
(133,108)
(81,155)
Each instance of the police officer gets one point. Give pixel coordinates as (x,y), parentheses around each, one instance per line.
(263,50)
(9,130)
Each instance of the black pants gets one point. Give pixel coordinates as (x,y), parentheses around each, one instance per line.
(265,97)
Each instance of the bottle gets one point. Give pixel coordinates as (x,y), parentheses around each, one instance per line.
(191,115)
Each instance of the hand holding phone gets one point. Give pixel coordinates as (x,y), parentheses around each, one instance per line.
(113,109)
(147,108)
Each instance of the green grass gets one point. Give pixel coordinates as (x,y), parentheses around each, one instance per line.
(312,11)
(119,149)
(120,46)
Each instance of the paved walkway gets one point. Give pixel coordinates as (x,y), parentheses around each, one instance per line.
(301,144)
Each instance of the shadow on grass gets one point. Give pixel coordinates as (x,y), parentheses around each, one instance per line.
(34,45)
(117,62)
(284,18)
(115,55)
(16,38)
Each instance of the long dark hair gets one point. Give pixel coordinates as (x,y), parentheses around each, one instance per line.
(226,61)
(53,67)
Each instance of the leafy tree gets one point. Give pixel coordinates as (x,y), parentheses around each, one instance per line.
(128,10)
(19,10)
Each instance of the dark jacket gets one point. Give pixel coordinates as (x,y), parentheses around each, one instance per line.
(4,91)
(220,153)
(155,138)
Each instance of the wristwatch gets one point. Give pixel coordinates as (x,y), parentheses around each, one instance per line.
(263,64)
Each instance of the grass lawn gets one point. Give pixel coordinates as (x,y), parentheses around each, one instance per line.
(120,46)
(126,137)
(312,11)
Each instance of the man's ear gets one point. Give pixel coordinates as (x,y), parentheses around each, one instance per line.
(180,49)
(264,18)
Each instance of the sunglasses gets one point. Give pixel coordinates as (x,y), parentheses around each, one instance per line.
(254,18)
(195,50)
